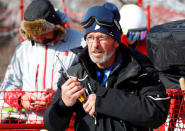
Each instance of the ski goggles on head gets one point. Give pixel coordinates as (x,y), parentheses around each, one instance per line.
(100,15)
(134,35)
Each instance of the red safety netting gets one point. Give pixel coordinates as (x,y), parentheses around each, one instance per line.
(75,19)
(176,116)
(9,37)
(161,15)
(20,118)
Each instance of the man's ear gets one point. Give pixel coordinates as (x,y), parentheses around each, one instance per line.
(116,44)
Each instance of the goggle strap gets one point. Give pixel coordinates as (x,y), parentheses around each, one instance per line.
(117,24)
(104,24)
(137,30)
(91,20)
(87,23)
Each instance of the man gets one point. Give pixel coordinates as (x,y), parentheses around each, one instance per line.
(113,88)
(134,25)
(36,63)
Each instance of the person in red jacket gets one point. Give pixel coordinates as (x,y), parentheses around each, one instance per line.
(134,25)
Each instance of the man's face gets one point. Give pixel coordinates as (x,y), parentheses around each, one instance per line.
(101,47)
(44,39)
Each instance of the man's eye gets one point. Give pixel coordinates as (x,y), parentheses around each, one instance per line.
(101,37)
(90,37)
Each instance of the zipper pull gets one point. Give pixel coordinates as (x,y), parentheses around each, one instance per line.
(95,120)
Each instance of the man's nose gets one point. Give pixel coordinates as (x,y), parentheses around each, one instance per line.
(96,42)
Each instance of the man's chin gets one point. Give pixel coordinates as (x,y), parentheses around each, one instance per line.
(97,60)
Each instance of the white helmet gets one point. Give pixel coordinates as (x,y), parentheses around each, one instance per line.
(132,17)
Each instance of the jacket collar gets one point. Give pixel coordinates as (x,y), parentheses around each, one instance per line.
(128,66)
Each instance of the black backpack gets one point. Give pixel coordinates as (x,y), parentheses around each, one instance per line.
(166,50)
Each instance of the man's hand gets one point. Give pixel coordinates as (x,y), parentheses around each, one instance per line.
(89,106)
(29,101)
(45,100)
(70,91)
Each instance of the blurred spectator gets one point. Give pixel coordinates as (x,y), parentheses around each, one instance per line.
(134,25)
(35,65)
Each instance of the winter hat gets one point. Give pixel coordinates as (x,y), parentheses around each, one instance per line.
(103,19)
(40,17)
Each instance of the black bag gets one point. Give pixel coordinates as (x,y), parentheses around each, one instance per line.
(166,50)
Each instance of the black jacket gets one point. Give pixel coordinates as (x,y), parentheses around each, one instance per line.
(135,99)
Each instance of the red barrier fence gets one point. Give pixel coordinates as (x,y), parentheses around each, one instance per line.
(19,118)
(176,116)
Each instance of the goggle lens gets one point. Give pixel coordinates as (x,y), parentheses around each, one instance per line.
(136,35)
(96,14)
